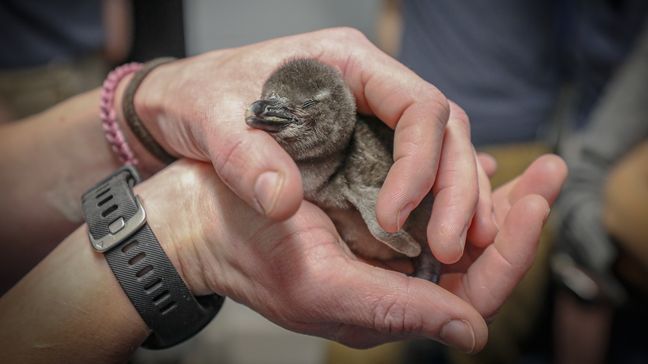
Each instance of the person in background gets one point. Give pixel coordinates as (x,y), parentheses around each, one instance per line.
(53,50)
(600,257)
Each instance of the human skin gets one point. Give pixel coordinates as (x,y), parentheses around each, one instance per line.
(195,108)
(50,159)
(296,273)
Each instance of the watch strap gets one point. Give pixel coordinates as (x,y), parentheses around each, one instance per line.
(139,263)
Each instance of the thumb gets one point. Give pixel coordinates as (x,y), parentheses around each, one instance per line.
(258,170)
(391,305)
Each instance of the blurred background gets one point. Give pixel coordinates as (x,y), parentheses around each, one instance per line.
(535,76)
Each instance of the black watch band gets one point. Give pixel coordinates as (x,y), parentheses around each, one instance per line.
(117,227)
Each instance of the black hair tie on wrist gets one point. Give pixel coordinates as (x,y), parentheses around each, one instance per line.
(134,122)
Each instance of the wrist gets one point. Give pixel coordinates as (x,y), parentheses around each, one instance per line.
(155,104)
(118,227)
(181,235)
(141,123)
(170,104)
(147,163)
(72,304)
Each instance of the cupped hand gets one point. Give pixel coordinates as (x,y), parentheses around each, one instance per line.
(195,108)
(299,274)
(485,276)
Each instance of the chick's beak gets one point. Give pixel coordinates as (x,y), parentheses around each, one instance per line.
(269,115)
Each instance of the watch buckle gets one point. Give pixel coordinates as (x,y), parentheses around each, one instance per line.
(120,229)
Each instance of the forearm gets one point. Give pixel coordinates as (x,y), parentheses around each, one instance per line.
(69,309)
(47,162)
(52,158)
(626,195)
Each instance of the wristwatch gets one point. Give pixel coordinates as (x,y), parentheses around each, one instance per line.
(117,228)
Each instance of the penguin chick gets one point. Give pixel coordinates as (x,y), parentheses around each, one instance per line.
(343,158)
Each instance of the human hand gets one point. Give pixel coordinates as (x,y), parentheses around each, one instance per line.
(299,274)
(195,108)
(485,276)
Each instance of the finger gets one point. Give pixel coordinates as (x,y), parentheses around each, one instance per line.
(488,163)
(257,169)
(492,277)
(416,110)
(393,304)
(545,177)
(456,191)
(417,146)
(483,228)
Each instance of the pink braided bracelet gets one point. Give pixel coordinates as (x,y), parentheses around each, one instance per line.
(108,114)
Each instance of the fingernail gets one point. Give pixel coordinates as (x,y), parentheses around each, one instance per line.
(266,191)
(459,334)
(403,214)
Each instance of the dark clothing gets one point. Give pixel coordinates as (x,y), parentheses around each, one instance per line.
(618,124)
(38,32)
(504,61)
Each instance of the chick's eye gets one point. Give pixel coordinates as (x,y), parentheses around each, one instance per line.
(308,103)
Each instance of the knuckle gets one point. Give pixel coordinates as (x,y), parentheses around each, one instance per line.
(410,138)
(229,163)
(459,116)
(443,105)
(349,33)
(388,316)
(392,315)
(435,101)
